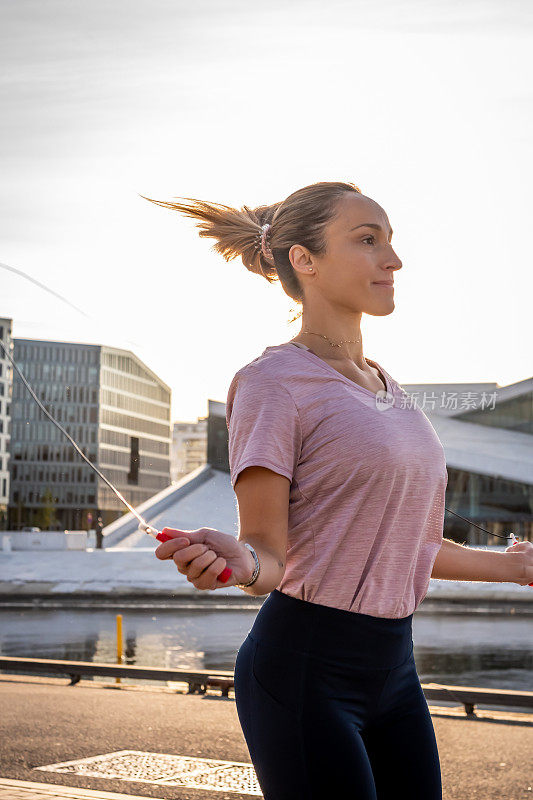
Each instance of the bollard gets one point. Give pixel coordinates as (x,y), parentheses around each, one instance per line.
(119,642)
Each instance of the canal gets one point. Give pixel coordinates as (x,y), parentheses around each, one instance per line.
(486,650)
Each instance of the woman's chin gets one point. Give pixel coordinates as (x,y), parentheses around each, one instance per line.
(381,310)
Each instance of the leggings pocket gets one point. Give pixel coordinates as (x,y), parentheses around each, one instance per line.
(280,673)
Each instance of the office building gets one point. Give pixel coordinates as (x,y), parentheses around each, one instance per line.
(114,407)
(487,434)
(6,378)
(188,450)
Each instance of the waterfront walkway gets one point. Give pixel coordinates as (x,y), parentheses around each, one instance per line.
(31,790)
(105,742)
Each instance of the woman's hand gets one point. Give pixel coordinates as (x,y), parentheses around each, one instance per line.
(202,554)
(526,566)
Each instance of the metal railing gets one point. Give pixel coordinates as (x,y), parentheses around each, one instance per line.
(200,680)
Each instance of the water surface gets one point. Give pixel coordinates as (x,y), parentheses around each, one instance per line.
(493,651)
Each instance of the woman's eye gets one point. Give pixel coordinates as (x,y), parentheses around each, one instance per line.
(368,237)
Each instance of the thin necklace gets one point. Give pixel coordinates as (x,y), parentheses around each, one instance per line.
(332,343)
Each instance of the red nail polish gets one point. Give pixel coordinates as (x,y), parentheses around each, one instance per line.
(225,575)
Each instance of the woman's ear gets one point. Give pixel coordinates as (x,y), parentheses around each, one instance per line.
(300,258)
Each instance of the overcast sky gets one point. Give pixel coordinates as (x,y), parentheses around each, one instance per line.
(427,107)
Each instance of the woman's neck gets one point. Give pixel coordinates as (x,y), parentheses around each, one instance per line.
(347,352)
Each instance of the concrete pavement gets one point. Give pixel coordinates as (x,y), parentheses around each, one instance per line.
(31,790)
(139,737)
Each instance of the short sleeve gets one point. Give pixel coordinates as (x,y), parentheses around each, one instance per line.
(263,425)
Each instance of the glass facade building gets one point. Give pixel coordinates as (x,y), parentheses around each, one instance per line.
(6,378)
(487,433)
(496,504)
(188,450)
(513,413)
(113,406)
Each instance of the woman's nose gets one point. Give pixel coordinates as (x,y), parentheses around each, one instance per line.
(396,262)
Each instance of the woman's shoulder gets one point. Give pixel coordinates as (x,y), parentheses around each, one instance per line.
(276,362)
(270,372)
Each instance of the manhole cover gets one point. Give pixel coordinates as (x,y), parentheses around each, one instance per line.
(165,770)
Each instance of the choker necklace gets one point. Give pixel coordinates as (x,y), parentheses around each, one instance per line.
(332,343)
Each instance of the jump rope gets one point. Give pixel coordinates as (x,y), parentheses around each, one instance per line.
(225,575)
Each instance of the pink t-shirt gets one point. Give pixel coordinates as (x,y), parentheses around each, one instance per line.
(368,479)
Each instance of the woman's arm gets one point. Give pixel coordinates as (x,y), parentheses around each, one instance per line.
(271,570)
(455,562)
(263,499)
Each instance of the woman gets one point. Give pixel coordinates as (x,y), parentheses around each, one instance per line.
(340,485)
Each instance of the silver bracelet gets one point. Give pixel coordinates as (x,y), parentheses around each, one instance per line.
(256,569)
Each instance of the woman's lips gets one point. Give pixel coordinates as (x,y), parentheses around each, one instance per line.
(389,285)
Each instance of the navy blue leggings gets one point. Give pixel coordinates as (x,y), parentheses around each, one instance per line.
(331,705)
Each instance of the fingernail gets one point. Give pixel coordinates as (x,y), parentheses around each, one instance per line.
(225,575)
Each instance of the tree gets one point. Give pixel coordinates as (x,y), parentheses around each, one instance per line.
(47,513)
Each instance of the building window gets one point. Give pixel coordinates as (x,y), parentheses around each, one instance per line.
(133,474)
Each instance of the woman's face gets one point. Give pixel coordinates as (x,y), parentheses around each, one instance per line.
(359,258)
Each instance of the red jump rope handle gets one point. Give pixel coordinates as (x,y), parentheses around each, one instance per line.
(224,575)
(164,537)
